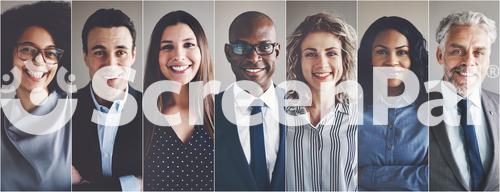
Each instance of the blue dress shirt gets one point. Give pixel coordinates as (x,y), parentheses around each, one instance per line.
(393,156)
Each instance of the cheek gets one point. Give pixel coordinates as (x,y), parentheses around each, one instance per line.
(195,57)
(377,61)
(162,59)
(406,63)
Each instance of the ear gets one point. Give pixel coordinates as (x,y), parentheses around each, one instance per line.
(277,49)
(86,59)
(134,53)
(227,50)
(439,55)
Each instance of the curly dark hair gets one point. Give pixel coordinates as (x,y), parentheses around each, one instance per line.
(418,54)
(53,16)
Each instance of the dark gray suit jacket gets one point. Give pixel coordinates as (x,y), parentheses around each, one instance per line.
(444,174)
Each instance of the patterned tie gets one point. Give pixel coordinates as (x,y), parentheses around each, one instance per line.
(258,153)
(471,147)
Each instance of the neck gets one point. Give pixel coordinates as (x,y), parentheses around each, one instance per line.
(396,91)
(324,104)
(182,99)
(29,103)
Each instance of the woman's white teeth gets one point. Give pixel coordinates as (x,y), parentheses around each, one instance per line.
(322,74)
(35,74)
(253,70)
(180,68)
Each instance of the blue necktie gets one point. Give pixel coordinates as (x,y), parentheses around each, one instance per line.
(258,153)
(471,147)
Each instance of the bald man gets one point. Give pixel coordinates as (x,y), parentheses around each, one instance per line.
(250,156)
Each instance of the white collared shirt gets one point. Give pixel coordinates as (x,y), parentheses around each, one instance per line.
(271,123)
(107,127)
(455,132)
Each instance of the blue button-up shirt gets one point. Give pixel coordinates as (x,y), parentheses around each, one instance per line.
(393,156)
(108,120)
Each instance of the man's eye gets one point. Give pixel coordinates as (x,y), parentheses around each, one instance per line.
(121,53)
(99,53)
(456,52)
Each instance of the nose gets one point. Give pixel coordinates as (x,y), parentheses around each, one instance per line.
(323,61)
(179,54)
(112,60)
(39,60)
(253,56)
(468,58)
(391,60)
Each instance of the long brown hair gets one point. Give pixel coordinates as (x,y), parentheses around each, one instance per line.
(204,74)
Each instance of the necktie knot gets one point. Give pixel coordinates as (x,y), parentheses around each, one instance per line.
(463,105)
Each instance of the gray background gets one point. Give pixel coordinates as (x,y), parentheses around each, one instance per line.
(225,12)
(439,10)
(81,10)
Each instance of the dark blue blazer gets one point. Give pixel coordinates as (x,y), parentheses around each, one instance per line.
(232,171)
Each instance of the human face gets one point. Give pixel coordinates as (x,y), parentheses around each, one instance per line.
(466,57)
(391,49)
(36,73)
(110,47)
(180,55)
(321,59)
(254,67)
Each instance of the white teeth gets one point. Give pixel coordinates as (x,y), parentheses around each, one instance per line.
(35,74)
(180,68)
(321,74)
(253,70)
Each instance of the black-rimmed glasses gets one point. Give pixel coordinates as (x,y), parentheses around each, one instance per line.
(262,49)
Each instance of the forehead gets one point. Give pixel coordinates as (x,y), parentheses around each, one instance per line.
(179,31)
(38,36)
(390,37)
(472,35)
(322,40)
(255,34)
(109,37)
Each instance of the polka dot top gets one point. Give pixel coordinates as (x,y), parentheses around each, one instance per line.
(175,166)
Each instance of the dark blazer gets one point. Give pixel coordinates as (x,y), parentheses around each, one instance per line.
(444,174)
(232,171)
(127,150)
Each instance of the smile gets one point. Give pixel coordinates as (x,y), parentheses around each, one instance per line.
(322,75)
(35,75)
(179,68)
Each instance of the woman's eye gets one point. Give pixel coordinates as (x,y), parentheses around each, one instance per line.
(189,45)
(402,52)
(311,54)
(331,53)
(167,47)
(381,52)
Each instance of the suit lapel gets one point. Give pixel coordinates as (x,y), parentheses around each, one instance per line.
(443,141)
(490,109)
(278,180)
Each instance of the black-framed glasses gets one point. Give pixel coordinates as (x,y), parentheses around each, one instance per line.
(262,49)
(27,51)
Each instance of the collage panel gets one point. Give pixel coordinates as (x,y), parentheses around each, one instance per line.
(250,140)
(393,67)
(321,136)
(36,97)
(464,62)
(107,132)
(179,40)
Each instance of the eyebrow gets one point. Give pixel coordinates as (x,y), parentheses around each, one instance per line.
(35,45)
(399,47)
(170,41)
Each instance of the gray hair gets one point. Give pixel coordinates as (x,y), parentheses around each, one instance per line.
(465,18)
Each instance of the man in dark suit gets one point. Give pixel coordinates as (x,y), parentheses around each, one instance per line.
(464,147)
(107,133)
(250,156)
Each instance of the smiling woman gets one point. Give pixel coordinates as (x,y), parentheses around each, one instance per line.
(32,53)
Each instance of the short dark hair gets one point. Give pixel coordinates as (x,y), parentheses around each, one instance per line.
(56,19)
(418,54)
(107,18)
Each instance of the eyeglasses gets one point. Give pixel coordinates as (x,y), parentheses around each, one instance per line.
(261,49)
(51,55)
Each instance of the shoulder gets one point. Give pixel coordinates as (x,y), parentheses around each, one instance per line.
(489,96)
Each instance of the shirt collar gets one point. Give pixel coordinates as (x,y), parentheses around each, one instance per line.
(246,99)
(448,94)
(116,106)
